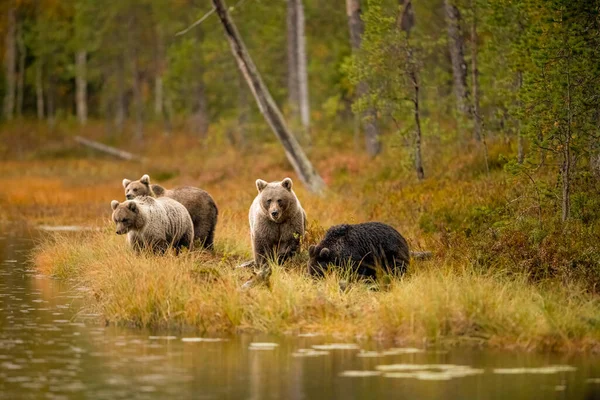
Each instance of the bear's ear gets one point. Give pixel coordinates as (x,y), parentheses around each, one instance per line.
(287,183)
(114,204)
(260,185)
(311,250)
(126,182)
(132,206)
(145,179)
(324,253)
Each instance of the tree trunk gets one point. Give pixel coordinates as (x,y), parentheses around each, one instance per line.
(405,22)
(298,97)
(158,96)
(120,95)
(158,77)
(302,70)
(81,86)
(51,106)
(266,104)
(292,60)
(369,117)
(137,100)
(39,89)
(520,147)
(200,121)
(243,111)
(477,125)
(9,63)
(21,81)
(566,170)
(475,76)
(459,66)
(418,158)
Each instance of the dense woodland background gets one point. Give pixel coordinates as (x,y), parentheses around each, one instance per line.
(512,84)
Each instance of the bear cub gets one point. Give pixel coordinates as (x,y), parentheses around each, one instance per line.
(365,247)
(199,203)
(277,222)
(154,224)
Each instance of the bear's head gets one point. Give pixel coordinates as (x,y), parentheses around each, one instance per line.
(138,188)
(318,258)
(125,215)
(277,198)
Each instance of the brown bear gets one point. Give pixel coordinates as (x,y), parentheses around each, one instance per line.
(277,223)
(154,224)
(199,203)
(365,247)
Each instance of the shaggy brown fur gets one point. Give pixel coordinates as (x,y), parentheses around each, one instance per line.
(277,221)
(199,203)
(153,224)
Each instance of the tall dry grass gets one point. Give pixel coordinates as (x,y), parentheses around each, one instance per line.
(436,301)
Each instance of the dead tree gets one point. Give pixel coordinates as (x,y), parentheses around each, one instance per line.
(369,116)
(266,104)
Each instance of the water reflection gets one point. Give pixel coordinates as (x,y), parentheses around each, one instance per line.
(48,349)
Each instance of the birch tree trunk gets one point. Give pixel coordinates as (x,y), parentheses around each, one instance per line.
(459,66)
(369,117)
(304,99)
(298,97)
(39,89)
(9,63)
(81,86)
(292,60)
(266,104)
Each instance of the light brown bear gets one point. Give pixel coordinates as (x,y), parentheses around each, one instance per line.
(199,203)
(154,224)
(277,222)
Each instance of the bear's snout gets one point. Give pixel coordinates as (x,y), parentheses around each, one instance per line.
(121,231)
(129,196)
(275,214)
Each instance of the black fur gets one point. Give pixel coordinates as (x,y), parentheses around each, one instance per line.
(366,247)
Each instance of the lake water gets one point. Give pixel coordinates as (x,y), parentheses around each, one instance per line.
(49,349)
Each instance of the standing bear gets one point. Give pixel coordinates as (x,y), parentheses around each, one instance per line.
(277,223)
(364,247)
(154,224)
(199,203)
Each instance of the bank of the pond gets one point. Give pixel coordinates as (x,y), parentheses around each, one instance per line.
(437,301)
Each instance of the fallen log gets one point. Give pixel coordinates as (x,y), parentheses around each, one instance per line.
(125,155)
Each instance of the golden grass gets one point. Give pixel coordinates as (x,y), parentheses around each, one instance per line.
(437,301)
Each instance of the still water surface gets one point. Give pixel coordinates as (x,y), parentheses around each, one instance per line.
(49,349)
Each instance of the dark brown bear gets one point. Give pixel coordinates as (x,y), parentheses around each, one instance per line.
(198,202)
(364,247)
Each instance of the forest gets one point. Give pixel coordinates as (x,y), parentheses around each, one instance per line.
(471,126)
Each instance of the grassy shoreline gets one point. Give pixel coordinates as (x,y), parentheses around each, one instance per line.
(437,301)
(506,272)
